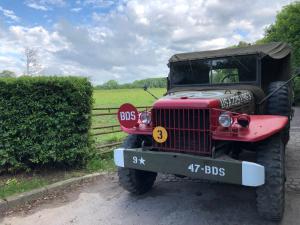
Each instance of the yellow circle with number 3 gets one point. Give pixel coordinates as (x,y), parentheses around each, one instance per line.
(160,134)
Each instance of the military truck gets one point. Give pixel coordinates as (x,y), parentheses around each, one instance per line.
(219,105)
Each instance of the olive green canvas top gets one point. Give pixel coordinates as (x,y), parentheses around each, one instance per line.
(275,50)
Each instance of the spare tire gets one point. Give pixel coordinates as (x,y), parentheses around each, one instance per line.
(280,104)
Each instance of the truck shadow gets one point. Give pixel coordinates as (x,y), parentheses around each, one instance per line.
(191,202)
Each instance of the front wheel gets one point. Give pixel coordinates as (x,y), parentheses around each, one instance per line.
(270,198)
(136,181)
(133,180)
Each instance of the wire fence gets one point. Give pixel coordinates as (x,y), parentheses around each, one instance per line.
(103,115)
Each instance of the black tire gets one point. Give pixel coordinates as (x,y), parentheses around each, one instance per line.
(280,103)
(270,197)
(133,180)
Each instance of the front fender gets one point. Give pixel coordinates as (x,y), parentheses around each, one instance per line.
(260,128)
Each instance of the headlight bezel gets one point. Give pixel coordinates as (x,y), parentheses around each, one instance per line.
(225,119)
(145,117)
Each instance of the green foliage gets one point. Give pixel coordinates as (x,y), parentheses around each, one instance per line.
(111,84)
(151,82)
(287,29)
(7,73)
(102,162)
(224,76)
(45,121)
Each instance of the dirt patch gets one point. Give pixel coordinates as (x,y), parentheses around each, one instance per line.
(54,198)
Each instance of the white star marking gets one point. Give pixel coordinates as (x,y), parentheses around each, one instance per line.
(142,161)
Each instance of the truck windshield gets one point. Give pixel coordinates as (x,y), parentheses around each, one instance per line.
(233,69)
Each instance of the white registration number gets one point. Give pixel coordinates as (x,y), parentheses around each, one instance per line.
(209,170)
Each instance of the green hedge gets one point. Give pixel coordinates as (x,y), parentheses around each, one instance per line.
(44,121)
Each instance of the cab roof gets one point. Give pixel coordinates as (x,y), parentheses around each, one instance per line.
(275,50)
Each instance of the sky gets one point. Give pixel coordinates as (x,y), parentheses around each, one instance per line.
(124,40)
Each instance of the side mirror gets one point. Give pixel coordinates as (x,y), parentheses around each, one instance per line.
(145,87)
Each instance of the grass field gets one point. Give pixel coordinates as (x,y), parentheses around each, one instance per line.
(115,98)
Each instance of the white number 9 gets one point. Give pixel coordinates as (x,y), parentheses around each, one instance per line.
(134,159)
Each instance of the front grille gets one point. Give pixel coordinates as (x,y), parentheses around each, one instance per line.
(188,130)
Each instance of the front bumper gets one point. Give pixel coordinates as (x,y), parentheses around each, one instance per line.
(222,170)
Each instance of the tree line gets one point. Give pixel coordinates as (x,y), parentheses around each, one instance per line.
(150,82)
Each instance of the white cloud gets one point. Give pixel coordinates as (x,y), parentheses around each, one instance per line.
(44,5)
(37,6)
(75,9)
(135,39)
(9,14)
(17,38)
(99,3)
(38,37)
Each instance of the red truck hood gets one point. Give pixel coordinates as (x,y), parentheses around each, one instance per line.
(187,103)
(205,99)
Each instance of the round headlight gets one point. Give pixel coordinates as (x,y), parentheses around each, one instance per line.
(145,117)
(225,119)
